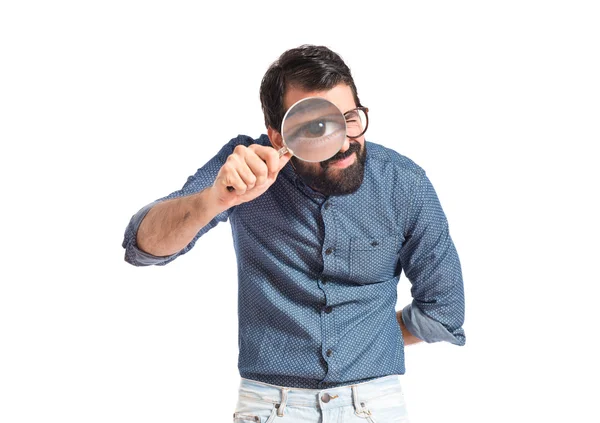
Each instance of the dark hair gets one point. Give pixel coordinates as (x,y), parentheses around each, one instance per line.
(307,67)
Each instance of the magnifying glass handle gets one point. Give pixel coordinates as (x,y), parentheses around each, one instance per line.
(281,151)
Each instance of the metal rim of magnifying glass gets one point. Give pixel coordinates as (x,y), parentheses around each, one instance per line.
(289,150)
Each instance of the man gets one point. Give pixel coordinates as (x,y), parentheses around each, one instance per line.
(320,249)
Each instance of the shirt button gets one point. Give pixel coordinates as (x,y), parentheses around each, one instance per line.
(329,251)
(328,309)
(327,205)
(324,281)
(329,352)
(325,397)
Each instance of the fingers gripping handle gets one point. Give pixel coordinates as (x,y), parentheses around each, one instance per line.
(282,151)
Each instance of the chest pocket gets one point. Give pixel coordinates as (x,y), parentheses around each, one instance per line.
(374,259)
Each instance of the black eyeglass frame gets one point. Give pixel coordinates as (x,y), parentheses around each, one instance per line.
(366,110)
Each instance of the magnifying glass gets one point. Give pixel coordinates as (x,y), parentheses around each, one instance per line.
(313,130)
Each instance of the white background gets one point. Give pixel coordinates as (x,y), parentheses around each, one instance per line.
(107,106)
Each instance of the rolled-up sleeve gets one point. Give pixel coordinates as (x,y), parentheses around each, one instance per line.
(430,262)
(202,179)
(133,255)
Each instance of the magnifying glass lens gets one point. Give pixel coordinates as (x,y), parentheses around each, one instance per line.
(314,129)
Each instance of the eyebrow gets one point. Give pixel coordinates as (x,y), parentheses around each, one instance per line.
(351,110)
(313,108)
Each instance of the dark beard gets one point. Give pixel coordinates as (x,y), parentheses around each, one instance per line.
(329,181)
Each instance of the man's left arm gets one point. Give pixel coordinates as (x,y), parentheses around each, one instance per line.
(431,264)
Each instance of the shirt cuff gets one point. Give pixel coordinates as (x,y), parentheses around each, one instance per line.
(427,329)
(133,254)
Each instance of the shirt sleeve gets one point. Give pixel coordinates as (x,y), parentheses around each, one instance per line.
(202,179)
(431,264)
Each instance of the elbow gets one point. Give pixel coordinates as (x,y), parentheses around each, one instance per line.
(433,326)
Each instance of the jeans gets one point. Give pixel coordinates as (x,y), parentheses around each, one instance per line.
(378,400)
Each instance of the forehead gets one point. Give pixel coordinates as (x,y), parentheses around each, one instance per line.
(340,95)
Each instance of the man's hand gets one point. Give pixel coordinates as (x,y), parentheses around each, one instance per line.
(409,338)
(250,171)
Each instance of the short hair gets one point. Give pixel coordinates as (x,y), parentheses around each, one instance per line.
(307,67)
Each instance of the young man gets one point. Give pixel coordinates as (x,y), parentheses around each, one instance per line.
(320,249)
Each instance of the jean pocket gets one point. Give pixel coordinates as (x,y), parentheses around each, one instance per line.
(373,259)
(250,410)
(389,408)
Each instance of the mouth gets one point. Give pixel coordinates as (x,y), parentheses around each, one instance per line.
(344,159)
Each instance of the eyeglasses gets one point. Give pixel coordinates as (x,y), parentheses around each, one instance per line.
(357,122)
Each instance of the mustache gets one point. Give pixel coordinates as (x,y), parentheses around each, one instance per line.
(353,148)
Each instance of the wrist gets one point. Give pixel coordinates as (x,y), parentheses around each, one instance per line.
(207,202)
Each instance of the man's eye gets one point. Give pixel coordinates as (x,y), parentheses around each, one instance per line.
(315,128)
(318,129)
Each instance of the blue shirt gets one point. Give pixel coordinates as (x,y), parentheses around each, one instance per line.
(317,276)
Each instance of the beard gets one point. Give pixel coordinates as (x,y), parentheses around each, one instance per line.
(331,181)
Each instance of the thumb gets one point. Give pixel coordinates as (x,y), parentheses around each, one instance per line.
(283,160)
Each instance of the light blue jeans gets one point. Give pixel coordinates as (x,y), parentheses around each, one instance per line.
(376,401)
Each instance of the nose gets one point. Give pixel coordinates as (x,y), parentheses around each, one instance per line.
(346,145)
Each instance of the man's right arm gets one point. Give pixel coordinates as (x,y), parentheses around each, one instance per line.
(170,225)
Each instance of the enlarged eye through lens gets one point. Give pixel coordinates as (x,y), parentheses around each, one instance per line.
(317,130)
(313,129)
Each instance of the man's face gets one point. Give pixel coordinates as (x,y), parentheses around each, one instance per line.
(341,174)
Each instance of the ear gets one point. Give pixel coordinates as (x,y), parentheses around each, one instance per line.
(275,138)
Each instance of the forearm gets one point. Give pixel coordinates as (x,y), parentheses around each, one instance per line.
(171,224)
(409,338)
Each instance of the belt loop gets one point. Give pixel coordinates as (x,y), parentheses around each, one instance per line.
(281,407)
(359,408)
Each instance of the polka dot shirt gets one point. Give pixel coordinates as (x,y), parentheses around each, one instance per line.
(317,275)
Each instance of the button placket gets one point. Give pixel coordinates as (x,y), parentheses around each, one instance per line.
(330,244)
